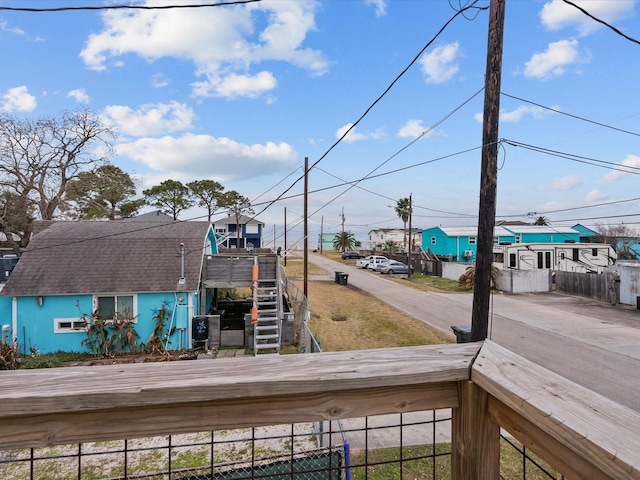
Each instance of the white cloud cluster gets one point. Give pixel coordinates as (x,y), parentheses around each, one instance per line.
(631,161)
(150,119)
(18,99)
(556,15)
(440,64)
(566,183)
(555,60)
(79,95)
(414,129)
(224,44)
(205,156)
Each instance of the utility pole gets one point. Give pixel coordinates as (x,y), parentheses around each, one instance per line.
(321,233)
(342,216)
(306,226)
(285,236)
(488,173)
(410,235)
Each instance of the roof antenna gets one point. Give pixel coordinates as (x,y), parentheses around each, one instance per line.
(182,279)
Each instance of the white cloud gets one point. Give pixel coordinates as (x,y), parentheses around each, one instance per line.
(555,60)
(151,119)
(632,161)
(566,183)
(381,6)
(79,94)
(233,86)
(4,26)
(557,14)
(596,195)
(223,44)
(159,81)
(354,136)
(205,156)
(18,99)
(413,129)
(517,114)
(439,65)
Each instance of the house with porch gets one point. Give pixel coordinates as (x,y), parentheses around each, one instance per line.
(458,244)
(240,232)
(379,237)
(121,270)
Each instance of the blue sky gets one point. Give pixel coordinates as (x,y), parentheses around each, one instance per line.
(243,93)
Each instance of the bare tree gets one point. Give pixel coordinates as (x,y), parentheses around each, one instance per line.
(622,238)
(39,157)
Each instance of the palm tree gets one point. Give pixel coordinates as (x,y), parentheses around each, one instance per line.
(390,247)
(541,221)
(344,241)
(403,210)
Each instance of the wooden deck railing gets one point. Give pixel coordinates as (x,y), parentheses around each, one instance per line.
(579,433)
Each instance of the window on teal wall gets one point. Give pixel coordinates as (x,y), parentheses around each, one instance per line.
(116,307)
(472,240)
(433,240)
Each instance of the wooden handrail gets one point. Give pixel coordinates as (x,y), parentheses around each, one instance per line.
(80,404)
(581,433)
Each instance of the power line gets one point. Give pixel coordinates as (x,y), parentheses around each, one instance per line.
(602,22)
(125,7)
(555,110)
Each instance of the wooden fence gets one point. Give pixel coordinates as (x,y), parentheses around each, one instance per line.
(604,288)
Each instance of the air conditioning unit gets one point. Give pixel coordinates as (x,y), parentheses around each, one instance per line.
(468,253)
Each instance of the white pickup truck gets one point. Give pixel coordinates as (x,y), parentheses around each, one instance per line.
(371,259)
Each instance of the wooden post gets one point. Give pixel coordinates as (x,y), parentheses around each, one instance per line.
(305,241)
(475,438)
(488,174)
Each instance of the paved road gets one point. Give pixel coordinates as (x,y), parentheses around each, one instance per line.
(594,344)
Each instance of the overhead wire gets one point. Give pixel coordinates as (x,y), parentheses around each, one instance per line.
(125,7)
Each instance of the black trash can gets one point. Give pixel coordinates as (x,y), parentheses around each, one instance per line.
(463,333)
(344,278)
(337,277)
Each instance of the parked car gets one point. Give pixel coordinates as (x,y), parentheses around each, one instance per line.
(347,255)
(364,262)
(392,266)
(376,261)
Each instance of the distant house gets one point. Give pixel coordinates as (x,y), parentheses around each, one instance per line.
(459,244)
(586,234)
(119,268)
(243,233)
(325,241)
(379,237)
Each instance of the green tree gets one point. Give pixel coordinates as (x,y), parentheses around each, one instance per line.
(105,192)
(171,197)
(208,194)
(344,241)
(403,210)
(541,221)
(238,206)
(40,157)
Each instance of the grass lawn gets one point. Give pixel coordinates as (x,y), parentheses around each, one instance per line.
(347,318)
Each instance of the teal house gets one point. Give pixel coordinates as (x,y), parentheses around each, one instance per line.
(542,234)
(458,244)
(124,270)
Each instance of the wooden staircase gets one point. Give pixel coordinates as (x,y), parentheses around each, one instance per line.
(266,327)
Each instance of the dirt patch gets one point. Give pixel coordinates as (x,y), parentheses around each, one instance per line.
(135,358)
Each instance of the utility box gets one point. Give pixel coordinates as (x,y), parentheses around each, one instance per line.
(463,333)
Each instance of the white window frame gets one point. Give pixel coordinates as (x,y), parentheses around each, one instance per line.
(472,240)
(251,229)
(433,240)
(75,325)
(134,314)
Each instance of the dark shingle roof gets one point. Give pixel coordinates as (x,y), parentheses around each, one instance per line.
(109,257)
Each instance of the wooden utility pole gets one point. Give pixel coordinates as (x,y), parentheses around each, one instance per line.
(285,236)
(306,226)
(488,173)
(410,235)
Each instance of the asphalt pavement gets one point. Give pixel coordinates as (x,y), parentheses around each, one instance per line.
(592,343)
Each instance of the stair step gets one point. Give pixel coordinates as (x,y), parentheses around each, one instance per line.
(270,336)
